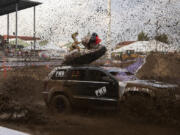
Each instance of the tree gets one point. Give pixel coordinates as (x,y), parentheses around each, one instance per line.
(162,38)
(143,37)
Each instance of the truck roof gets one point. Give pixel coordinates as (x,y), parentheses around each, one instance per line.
(78,66)
(109,69)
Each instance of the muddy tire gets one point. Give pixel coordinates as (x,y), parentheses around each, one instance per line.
(60,104)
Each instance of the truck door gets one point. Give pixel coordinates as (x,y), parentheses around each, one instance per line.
(101,87)
(77,84)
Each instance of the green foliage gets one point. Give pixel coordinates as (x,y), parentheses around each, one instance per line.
(162,38)
(43,42)
(143,37)
(20,42)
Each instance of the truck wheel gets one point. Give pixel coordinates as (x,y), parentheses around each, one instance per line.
(60,104)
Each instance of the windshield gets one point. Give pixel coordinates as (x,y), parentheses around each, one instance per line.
(123,76)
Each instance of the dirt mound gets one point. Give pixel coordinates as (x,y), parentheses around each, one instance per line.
(161,67)
(21,94)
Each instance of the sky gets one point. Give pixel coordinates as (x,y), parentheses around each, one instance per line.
(58,19)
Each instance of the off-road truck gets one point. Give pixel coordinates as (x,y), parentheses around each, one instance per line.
(70,86)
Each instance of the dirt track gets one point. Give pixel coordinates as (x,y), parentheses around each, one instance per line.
(95,125)
(39,121)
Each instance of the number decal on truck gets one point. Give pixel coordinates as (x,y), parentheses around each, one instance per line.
(101,92)
(60,74)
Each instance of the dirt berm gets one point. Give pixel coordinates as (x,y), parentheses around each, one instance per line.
(161,67)
(20,93)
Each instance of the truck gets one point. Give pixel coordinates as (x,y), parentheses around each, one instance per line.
(67,87)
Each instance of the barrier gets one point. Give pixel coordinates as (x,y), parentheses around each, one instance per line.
(7,131)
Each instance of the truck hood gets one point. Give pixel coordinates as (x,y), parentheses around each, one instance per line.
(152,83)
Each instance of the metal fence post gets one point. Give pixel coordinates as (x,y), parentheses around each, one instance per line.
(16,24)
